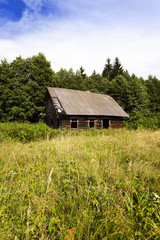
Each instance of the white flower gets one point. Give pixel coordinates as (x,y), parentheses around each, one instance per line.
(156,196)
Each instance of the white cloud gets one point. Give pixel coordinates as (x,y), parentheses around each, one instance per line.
(76,40)
(34,4)
(70,45)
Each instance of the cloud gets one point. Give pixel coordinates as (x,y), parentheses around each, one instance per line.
(34,4)
(85,33)
(71,45)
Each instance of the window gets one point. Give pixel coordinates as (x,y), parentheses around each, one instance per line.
(105,123)
(91,123)
(74,123)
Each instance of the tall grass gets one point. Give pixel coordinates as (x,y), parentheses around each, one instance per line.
(26,132)
(96,185)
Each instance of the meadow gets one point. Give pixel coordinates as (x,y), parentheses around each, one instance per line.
(79,185)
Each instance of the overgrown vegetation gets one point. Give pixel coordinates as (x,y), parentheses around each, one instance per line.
(26,132)
(95,185)
(23,84)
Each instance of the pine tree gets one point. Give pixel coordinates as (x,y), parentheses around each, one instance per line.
(108,70)
(82,72)
(117,68)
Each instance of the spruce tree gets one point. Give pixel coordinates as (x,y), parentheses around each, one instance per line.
(117,68)
(108,70)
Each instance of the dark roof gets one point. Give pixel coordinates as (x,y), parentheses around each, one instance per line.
(75,102)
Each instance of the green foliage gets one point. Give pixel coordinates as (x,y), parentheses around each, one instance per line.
(153,88)
(117,68)
(108,70)
(23,84)
(71,80)
(95,185)
(111,71)
(139,121)
(96,83)
(27,132)
(119,90)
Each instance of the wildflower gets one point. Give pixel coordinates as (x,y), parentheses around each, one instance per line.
(148,215)
(156,196)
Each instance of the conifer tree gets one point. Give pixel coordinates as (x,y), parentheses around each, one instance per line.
(117,68)
(82,72)
(108,70)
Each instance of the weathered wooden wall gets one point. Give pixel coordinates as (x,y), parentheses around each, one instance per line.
(116,122)
(98,123)
(66,123)
(82,123)
(49,107)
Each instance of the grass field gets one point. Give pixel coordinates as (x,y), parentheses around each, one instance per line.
(80,185)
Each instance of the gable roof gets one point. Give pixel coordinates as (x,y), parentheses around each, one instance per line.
(75,102)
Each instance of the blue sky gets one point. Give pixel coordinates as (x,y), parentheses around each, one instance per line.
(74,33)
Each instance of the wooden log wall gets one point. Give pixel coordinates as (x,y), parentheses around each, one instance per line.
(98,123)
(116,123)
(66,124)
(82,124)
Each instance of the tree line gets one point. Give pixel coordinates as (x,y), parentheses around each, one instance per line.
(23,84)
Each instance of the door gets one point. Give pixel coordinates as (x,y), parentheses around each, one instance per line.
(105,123)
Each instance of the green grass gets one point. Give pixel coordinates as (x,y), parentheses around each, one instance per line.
(79,185)
(27,132)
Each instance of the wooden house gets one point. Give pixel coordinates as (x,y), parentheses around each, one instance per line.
(74,109)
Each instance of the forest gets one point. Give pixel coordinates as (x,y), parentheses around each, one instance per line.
(23,84)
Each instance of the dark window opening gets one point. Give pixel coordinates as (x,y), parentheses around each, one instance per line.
(74,123)
(91,123)
(105,123)
(57,122)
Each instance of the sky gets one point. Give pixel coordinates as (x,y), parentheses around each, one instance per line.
(75,33)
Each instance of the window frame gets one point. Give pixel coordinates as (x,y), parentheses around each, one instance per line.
(91,121)
(74,123)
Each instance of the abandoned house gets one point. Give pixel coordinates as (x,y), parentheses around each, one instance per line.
(74,109)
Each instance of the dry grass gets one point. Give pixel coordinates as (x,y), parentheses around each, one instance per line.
(81,187)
